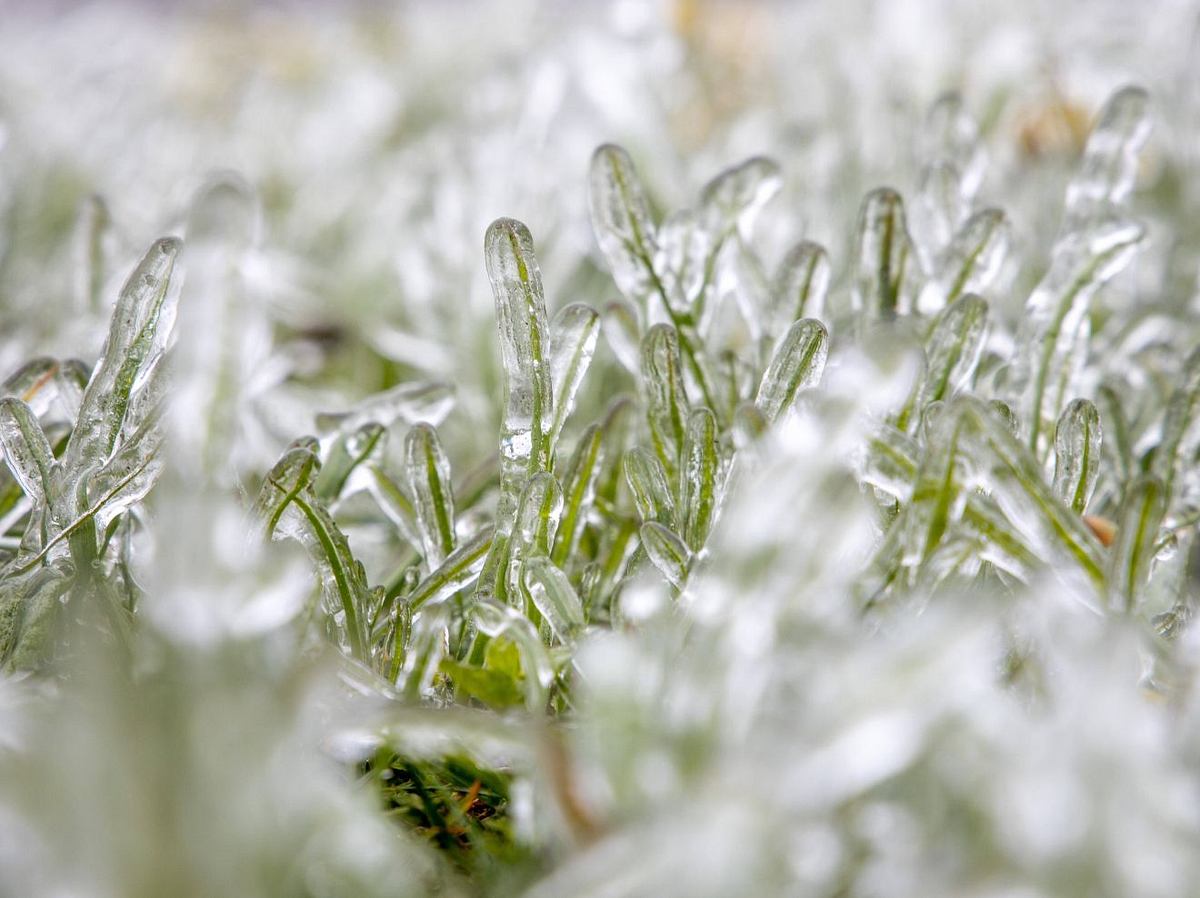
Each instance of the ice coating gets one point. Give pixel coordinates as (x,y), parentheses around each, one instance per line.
(573,335)
(1077,446)
(953,350)
(699,477)
(667,405)
(525,353)
(621,220)
(652,493)
(668,552)
(802,282)
(732,199)
(1049,333)
(427,473)
(797,365)
(886,270)
(1110,159)
(134,343)
(972,261)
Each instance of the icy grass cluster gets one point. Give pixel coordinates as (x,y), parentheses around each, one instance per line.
(816,577)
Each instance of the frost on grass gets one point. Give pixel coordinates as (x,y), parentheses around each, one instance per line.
(731,559)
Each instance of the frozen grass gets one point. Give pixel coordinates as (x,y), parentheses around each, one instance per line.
(753,562)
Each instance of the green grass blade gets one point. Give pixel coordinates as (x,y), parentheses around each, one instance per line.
(650,487)
(797,365)
(952,354)
(27,452)
(525,439)
(554,597)
(1110,159)
(134,341)
(886,273)
(667,551)
(1047,338)
(579,490)
(1077,441)
(1138,524)
(427,473)
(348,452)
(667,403)
(975,256)
(802,282)
(460,569)
(623,226)
(573,334)
(698,478)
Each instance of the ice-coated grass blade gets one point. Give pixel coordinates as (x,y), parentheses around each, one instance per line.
(1119,444)
(622,222)
(802,282)
(886,271)
(538,514)
(686,253)
(1021,491)
(625,231)
(427,474)
(554,597)
(1110,158)
(27,452)
(394,503)
(937,486)
(667,551)
(648,483)
(287,502)
(1077,440)
(579,490)
(573,334)
(698,478)
(950,135)
(134,342)
(667,404)
(797,365)
(460,569)
(1181,428)
(938,212)
(525,439)
(974,257)
(891,462)
(951,356)
(1138,523)
(496,621)
(732,199)
(29,608)
(1048,335)
(127,477)
(999,542)
(347,453)
(30,381)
